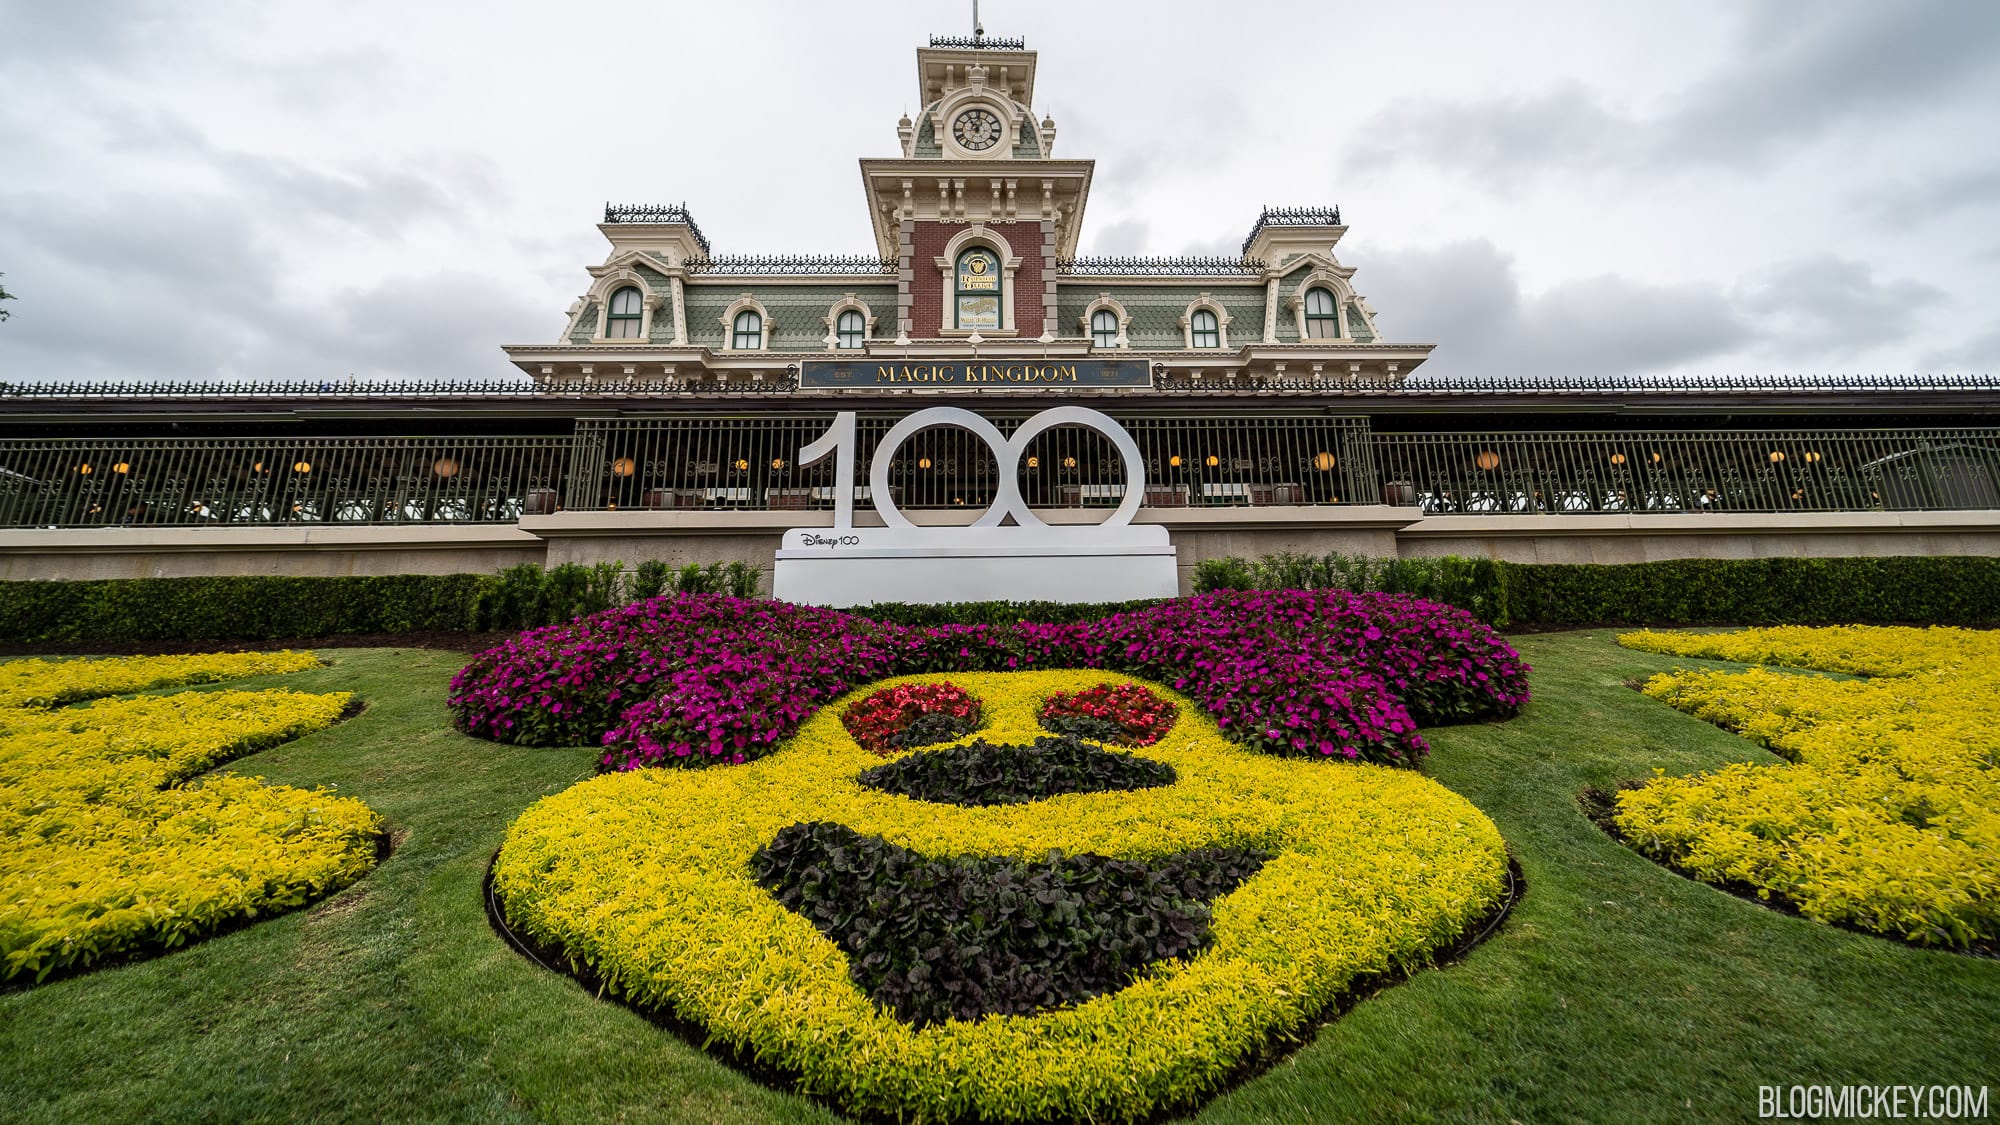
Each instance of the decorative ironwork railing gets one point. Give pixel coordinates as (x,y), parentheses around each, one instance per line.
(1421,383)
(979,43)
(1292,217)
(1820,470)
(606,386)
(790,264)
(656,213)
(705,463)
(92,482)
(1217,265)
(718,462)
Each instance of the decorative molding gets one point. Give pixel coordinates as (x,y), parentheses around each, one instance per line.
(1107,301)
(1201,302)
(748,302)
(849,303)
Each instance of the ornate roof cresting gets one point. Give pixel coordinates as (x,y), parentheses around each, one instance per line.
(656,213)
(1292,217)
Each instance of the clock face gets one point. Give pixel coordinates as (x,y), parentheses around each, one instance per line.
(976,129)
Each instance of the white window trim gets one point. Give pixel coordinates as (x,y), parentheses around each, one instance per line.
(947,264)
(1204,301)
(1106,302)
(849,303)
(1333,284)
(601,292)
(746,303)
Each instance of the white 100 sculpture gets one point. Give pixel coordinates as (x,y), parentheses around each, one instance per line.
(1028,560)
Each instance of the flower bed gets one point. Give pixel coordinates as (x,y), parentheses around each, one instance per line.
(912,715)
(985,774)
(1887,817)
(112,848)
(704,680)
(1122,714)
(649,880)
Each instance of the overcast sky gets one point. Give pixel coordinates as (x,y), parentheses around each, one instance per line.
(307,190)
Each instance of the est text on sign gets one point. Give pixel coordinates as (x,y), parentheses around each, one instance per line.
(998,374)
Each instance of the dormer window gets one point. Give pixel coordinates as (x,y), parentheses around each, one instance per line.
(624,315)
(1322,316)
(851,329)
(1204,331)
(748,334)
(1104,328)
(977,289)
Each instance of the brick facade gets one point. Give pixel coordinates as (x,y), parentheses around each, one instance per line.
(1027,238)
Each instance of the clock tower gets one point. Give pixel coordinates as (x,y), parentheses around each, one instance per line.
(976,209)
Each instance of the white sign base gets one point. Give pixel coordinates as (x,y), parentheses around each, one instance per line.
(1091,563)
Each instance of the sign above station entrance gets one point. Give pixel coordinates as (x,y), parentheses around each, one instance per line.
(984,374)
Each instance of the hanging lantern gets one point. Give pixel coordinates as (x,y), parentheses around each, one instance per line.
(777,462)
(1777,456)
(1323,461)
(624,467)
(1812,458)
(1487,460)
(923,462)
(1618,458)
(121,468)
(445,467)
(1034,462)
(743,464)
(1069,462)
(1213,461)
(1175,460)
(302,466)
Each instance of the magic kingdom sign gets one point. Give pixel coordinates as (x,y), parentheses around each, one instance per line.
(995,374)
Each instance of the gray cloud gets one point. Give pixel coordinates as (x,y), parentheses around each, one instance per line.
(242,189)
(1468,296)
(1126,236)
(1914,202)
(1467,293)
(1829,306)
(1977,355)
(1797,71)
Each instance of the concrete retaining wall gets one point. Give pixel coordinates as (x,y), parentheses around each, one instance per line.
(1199,533)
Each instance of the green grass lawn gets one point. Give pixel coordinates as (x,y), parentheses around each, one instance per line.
(1617,991)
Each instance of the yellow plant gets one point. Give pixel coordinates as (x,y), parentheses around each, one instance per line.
(645,878)
(52,683)
(107,851)
(1887,817)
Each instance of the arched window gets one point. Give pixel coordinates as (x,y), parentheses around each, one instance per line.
(1204,330)
(749,334)
(851,329)
(1104,328)
(977,289)
(623,316)
(1322,321)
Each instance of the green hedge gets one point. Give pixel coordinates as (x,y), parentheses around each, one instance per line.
(246,608)
(1945,590)
(1955,590)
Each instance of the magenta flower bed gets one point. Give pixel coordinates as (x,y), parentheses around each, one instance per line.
(713,680)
